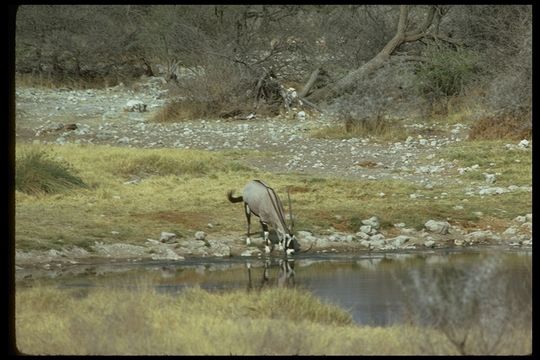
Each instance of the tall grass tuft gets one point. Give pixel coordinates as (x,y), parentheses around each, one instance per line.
(37,172)
(511,125)
(362,127)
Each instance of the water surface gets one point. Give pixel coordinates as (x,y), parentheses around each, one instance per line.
(377,289)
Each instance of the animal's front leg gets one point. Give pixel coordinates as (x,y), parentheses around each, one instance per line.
(266,237)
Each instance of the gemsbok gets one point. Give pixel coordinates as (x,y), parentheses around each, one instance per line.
(262,201)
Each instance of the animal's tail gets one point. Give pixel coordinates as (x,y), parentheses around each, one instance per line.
(234,199)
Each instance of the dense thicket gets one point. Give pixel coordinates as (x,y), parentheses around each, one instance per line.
(220,53)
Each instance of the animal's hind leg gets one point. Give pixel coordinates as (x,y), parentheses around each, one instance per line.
(248,217)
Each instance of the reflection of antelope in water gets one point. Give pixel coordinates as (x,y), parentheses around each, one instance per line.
(285,276)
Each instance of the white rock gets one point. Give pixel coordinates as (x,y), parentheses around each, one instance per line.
(520,219)
(166,254)
(480,235)
(200,235)
(135,105)
(376,237)
(429,243)
(440,227)
(166,236)
(366,229)
(399,240)
(372,221)
(376,244)
(362,235)
(523,143)
(492,191)
(490,178)
(511,231)
(527,226)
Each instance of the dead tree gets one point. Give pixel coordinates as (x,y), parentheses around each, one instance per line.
(403,35)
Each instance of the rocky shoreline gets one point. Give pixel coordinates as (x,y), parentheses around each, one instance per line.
(369,238)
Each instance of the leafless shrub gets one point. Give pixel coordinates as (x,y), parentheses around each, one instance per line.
(478,309)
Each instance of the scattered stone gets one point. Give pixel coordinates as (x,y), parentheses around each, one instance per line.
(200,235)
(399,240)
(135,105)
(366,229)
(376,237)
(429,243)
(439,227)
(167,237)
(408,231)
(458,242)
(492,191)
(479,236)
(523,144)
(372,221)
(511,231)
(362,235)
(165,253)
(527,226)
(218,248)
(521,219)
(490,178)
(377,244)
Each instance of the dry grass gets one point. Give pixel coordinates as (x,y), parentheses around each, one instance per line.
(273,322)
(379,128)
(507,125)
(185,110)
(183,190)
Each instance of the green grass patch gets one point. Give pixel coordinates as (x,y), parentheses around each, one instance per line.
(514,166)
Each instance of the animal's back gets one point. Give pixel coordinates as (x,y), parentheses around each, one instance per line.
(261,199)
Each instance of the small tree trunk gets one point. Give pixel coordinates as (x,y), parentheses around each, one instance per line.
(312,78)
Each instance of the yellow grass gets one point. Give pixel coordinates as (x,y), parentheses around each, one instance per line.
(184,190)
(273,321)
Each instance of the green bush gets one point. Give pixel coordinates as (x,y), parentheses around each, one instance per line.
(446,72)
(37,172)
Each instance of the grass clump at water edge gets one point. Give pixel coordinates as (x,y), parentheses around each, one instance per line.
(38,172)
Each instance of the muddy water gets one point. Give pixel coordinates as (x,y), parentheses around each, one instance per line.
(377,289)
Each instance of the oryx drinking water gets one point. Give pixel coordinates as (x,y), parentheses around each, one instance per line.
(262,201)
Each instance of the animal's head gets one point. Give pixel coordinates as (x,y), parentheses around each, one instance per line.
(291,244)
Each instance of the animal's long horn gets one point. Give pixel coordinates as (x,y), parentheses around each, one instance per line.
(290,209)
